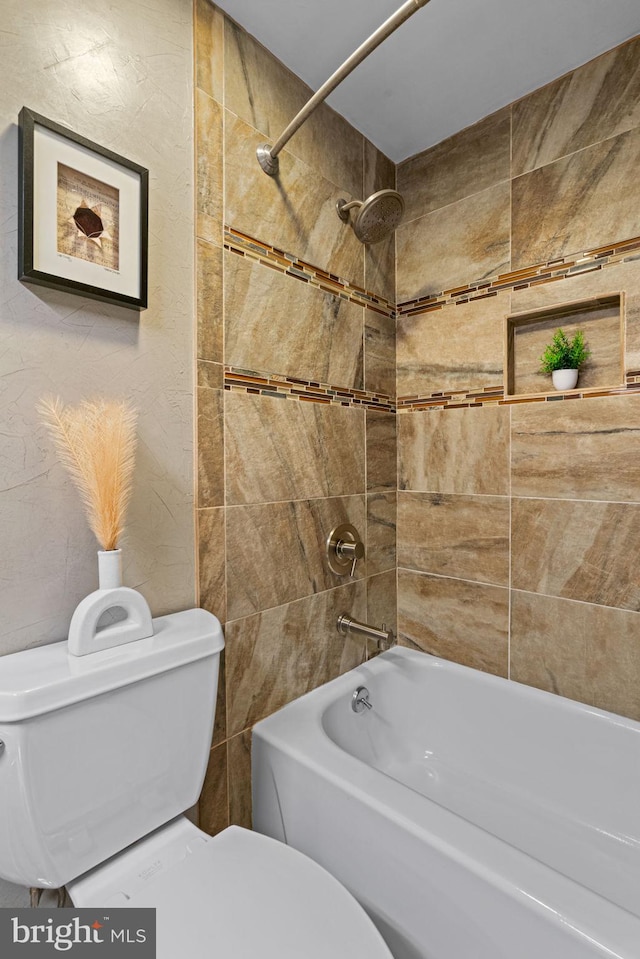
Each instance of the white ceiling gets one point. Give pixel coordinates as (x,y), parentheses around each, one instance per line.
(452,63)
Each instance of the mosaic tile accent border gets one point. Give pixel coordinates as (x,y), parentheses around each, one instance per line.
(495,396)
(291,265)
(551,272)
(283,387)
(288,387)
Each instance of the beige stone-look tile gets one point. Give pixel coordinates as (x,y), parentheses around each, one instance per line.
(379,353)
(279,449)
(209,301)
(211,551)
(382,603)
(239,758)
(603,337)
(219,734)
(470,161)
(210,375)
(276,552)
(466,241)
(451,535)
(598,100)
(379,170)
(577,203)
(278,324)
(380,268)
(459,347)
(212,595)
(209,196)
(381,532)
(588,653)
(261,91)
(380,258)
(209,49)
(464,622)
(585,449)
(631,312)
(577,550)
(454,451)
(282,653)
(381,451)
(614,278)
(213,807)
(210,448)
(295,211)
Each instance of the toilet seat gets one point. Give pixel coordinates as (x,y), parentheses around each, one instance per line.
(237,895)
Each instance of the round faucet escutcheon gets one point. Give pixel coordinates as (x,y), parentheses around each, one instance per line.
(360,700)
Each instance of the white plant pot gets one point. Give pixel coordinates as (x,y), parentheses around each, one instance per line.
(564,379)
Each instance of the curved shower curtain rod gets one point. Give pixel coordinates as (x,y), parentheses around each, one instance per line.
(267,155)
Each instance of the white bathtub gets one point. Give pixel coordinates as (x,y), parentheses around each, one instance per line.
(474,818)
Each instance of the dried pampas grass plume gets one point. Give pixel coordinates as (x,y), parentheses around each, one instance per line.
(96,443)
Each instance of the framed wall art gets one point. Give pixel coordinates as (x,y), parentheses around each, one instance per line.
(83,215)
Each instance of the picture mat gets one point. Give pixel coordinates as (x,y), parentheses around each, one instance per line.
(49,149)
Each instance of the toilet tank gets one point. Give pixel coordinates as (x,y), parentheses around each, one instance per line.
(100,750)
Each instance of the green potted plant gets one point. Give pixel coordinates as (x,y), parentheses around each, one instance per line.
(563,357)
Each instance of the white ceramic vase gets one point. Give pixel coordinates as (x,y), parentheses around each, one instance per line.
(86,634)
(109,568)
(564,379)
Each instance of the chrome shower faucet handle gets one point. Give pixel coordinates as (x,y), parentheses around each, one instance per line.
(344,549)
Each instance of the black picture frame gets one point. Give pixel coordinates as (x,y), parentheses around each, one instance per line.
(83,215)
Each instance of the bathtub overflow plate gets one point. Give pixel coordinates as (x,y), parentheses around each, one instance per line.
(360,700)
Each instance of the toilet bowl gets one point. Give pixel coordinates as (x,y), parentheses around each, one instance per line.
(108,750)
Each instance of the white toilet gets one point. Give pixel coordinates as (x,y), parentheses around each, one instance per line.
(99,757)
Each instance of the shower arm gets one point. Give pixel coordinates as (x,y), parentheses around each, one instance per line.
(268,156)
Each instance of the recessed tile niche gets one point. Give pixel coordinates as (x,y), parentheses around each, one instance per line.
(527,334)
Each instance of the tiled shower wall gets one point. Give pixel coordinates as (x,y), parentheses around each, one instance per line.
(296,381)
(519,519)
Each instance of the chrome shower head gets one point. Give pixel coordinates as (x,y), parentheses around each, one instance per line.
(376,217)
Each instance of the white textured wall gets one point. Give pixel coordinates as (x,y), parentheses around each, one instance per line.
(120,73)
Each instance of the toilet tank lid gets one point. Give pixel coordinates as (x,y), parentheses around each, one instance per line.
(37,681)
